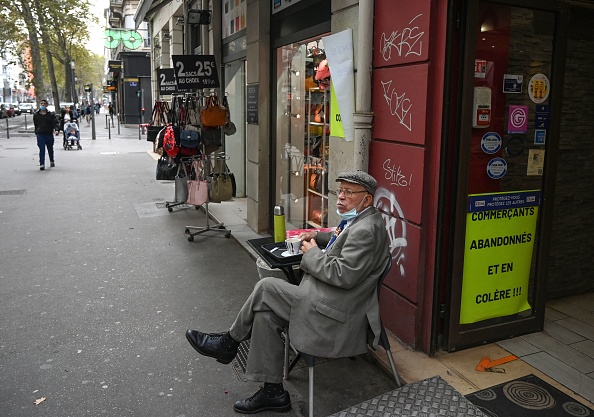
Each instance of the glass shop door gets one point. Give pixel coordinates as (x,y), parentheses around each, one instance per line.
(508,131)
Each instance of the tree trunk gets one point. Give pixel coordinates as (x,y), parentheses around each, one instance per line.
(36,67)
(48,54)
(69,81)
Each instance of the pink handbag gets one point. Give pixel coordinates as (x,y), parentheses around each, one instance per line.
(198,188)
(197,192)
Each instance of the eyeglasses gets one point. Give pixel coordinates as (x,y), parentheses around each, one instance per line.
(347,192)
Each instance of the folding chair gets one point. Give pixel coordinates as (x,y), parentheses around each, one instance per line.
(310,360)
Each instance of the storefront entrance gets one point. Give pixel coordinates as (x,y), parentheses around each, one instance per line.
(511,86)
(235,144)
(302,131)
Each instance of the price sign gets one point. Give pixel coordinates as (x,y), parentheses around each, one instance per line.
(195,71)
(166,79)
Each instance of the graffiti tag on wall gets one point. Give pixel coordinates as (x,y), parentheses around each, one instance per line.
(399,105)
(405,42)
(385,200)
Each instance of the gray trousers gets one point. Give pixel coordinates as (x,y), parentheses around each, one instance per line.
(262,318)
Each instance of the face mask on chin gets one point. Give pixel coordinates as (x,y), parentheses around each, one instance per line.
(352,213)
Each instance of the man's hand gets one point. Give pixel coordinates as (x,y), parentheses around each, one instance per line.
(308,235)
(308,244)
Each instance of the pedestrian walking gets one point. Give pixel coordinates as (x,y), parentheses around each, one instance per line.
(46,125)
(111,112)
(97,107)
(88,113)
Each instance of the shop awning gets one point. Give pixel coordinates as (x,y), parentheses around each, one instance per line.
(147,7)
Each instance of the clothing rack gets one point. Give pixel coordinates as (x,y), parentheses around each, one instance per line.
(218,227)
(182,117)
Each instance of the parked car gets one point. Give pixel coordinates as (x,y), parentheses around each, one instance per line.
(8,110)
(16,108)
(27,108)
(3,111)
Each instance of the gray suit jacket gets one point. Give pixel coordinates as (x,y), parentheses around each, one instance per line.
(337,300)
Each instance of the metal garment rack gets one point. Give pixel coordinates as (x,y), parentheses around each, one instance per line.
(218,227)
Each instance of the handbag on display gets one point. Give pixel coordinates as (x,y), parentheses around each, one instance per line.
(214,114)
(211,139)
(166,170)
(197,192)
(159,118)
(169,142)
(221,188)
(221,181)
(190,138)
(152,132)
(181,185)
(192,112)
(198,187)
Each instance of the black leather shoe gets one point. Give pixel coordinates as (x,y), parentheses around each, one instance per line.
(260,402)
(211,344)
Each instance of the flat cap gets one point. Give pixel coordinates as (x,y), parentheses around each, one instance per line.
(359,177)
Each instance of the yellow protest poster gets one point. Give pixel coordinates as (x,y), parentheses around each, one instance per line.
(500,235)
(336,127)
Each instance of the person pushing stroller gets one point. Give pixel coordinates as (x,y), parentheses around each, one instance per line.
(71,135)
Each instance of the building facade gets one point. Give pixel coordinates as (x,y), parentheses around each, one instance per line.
(129,47)
(467,112)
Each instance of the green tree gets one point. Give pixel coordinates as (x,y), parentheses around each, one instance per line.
(56,33)
(11,34)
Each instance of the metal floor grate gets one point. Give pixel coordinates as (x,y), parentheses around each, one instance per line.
(432,397)
(12,192)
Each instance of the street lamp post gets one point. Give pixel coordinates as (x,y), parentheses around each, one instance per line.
(74,98)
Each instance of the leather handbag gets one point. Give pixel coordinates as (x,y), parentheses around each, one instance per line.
(165,170)
(198,187)
(211,139)
(152,132)
(190,138)
(197,192)
(181,189)
(181,184)
(221,188)
(214,114)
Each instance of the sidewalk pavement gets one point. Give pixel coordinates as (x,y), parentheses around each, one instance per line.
(457,368)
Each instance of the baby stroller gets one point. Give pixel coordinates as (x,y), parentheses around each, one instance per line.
(71,135)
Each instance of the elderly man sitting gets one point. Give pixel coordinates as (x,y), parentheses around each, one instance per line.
(330,311)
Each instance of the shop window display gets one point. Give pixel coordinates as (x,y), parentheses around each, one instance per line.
(302,132)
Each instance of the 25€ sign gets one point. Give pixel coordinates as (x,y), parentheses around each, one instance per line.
(195,71)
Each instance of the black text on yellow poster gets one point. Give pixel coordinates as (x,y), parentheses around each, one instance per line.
(500,235)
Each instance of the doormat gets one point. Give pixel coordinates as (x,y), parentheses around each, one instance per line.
(528,396)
